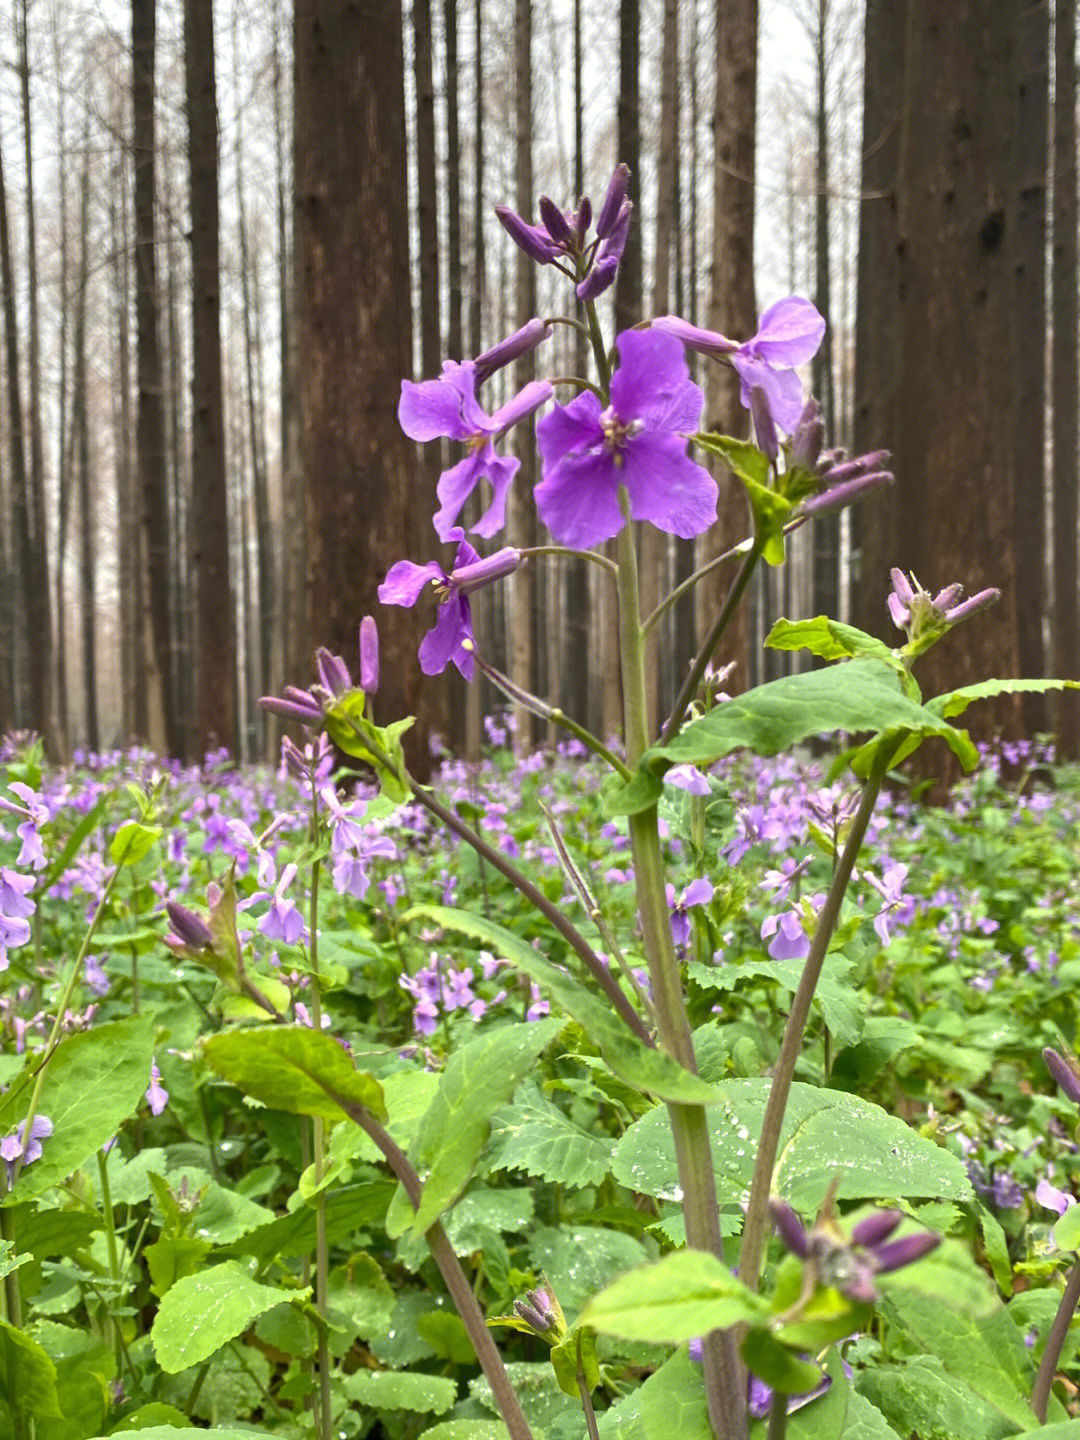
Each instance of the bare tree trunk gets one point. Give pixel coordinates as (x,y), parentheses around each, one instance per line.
(63,474)
(215,634)
(81,425)
(522,519)
(629,283)
(1029,494)
(179,507)
(826,529)
(453,185)
(1066,376)
(41,658)
(574,692)
(482,610)
(355,335)
(731,297)
(133,692)
(156,650)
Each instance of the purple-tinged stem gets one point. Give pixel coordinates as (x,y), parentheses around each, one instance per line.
(1040,1396)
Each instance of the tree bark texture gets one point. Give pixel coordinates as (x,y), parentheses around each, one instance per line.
(354,337)
(826,529)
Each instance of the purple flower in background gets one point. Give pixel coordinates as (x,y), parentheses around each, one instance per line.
(790,941)
(448,408)
(1051,1198)
(638,441)
(896,903)
(157,1097)
(688,778)
(788,335)
(445,642)
(759,1395)
(698,892)
(283,921)
(17,1147)
(35,813)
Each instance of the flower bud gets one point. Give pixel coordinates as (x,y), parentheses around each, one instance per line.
(807,437)
(616,194)
(369,655)
(901,586)
(876,1228)
(510,349)
(555,222)
(600,278)
(536,243)
(615,243)
(789,1227)
(1063,1073)
(972,604)
(467,578)
(582,220)
(764,425)
(904,1252)
(333,672)
(844,494)
(188,926)
(532,1317)
(295,704)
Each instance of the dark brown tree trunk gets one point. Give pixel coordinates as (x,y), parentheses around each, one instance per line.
(826,529)
(63,474)
(877,336)
(1032,92)
(1066,377)
(574,687)
(354,337)
(731,299)
(133,706)
(156,647)
(629,283)
(431,356)
(453,186)
(215,640)
(81,424)
(954,436)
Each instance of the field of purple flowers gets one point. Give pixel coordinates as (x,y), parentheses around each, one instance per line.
(159,1231)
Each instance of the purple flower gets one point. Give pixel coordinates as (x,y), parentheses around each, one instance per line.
(448,408)
(453,624)
(698,892)
(283,921)
(688,778)
(891,889)
(1051,1198)
(1063,1074)
(924,617)
(369,655)
(638,441)
(791,941)
(157,1097)
(788,334)
(16,1147)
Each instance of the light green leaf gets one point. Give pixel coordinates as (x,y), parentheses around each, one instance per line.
(827,1134)
(780,1368)
(407,1094)
(537,1389)
(537,1137)
(94,1082)
(155,1415)
(168,1432)
(830,640)
(27,1377)
(576,1352)
(132,842)
(835,996)
(949,1270)
(467,1430)
(84,1368)
(672,1402)
(292,1068)
(399,1390)
(922,1398)
(751,468)
(686,1294)
(865,1421)
(202,1312)
(957,701)
(9,1261)
(633,1061)
(1067,1229)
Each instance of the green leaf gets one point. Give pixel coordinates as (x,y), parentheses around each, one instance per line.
(478,1079)
(858,696)
(397,1390)
(467,1430)
(1067,1229)
(686,1294)
(830,640)
(537,1389)
(580,1259)
(923,1398)
(157,1413)
(292,1068)
(949,1270)
(576,1351)
(751,467)
(837,999)
(27,1377)
(779,1368)
(95,1080)
(865,1421)
(132,842)
(447,1336)
(672,1402)
(202,1312)
(957,701)
(537,1137)
(358,737)
(826,1134)
(633,1061)
(84,1368)
(168,1432)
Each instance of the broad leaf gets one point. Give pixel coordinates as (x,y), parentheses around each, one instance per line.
(132,842)
(27,1377)
(292,1068)
(827,1135)
(478,1079)
(396,1390)
(537,1137)
(830,640)
(922,1398)
(631,1059)
(580,1259)
(672,1402)
(203,1312)
(686,1294)
(957,701)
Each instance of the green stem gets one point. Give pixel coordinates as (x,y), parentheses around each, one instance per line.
(193,1393)
(110,1249)
(600,355)
(567,554)
(322,1258)
(586,1397)
(777,1416)
(705,654)
(756,1228)
(1040,1396)
(442,1252)
(724,1384)
(13,1315)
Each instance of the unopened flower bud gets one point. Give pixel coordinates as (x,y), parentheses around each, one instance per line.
(901,586)
(972,604)
(615,243)
(616,194)
(555,222)
(536,243)
(764,425)
(532,1317)
(188,927)
(949,596)
(846,493)
(789,1227)
(898,1253)
(510,349)
(294,704)
(369,655)
(600,278)
(467,578)
(860,465)
(1063,1073)
(333,672)
(582,220)
(807,436)
(876,1228)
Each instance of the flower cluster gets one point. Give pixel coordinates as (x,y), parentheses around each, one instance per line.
(850,1264)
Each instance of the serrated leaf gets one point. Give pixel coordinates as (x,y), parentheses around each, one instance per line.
(672,1402)
(686,1294)
(922,1398)
(203,1312)
(865,1421)
(827,1134)
(837,999)
(957,701)
(95,1080)
(478,1079)
(399,1390)
(830,640)
(580,1259)
(632,1060)
(537,1137)
(292,1068)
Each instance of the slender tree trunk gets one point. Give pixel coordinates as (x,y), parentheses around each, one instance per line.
(574,689)
(826,530)
(63,474)
(453,185)
(179,506)
(1029,494)
(81,425)
(215,634)
(731,297)
(39,616)
(156,649)
(629,283)
(1066,376)
(482,610)
(354,336)
(133,691)
(522,527)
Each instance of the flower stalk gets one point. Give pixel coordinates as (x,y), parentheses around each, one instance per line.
(1055,1341)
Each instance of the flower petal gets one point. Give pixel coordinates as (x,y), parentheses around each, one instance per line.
(575,426)
(405,581)
(705,342)
(445,407)
(653,383)
(443,643)
(578,500)
(789,332)
(783,389)
(529,398)
(666,487)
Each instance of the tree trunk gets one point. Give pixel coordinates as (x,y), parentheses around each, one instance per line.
(731,300)
(133,705)
(1066,377)
(825,530)
(156,648)
(574,688)
(1029,525)
(453,185)
(215,635)
(63,474)
(354,337)
(81,425)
